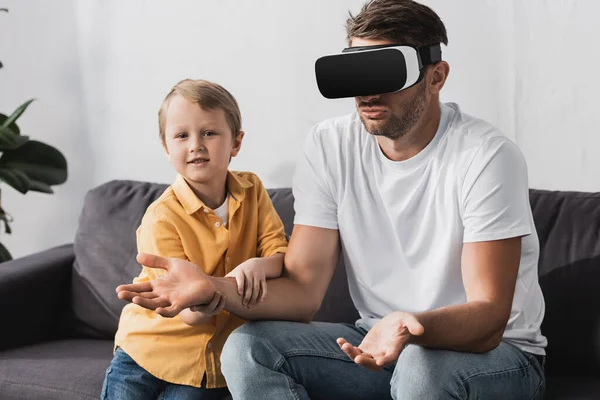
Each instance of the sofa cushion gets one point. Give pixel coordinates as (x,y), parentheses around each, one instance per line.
(60,370)
(572,388)
(568,225)
(105,250)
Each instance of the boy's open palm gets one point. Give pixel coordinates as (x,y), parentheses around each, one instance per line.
(251,282)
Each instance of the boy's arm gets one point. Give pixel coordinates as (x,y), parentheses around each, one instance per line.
(158,236)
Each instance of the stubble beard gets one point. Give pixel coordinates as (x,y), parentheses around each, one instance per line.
(398,125)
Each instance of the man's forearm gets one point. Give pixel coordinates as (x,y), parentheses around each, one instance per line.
(273,265)
(472,327)
(286,300)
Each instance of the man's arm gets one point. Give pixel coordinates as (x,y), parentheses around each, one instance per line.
(489,272)
(310,262)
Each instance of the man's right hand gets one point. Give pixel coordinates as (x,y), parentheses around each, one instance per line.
(183,285)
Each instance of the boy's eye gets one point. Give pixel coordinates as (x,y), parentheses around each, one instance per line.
(209,133)
(181,135)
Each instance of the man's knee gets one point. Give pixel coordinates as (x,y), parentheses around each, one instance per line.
(421,374)
(245,346)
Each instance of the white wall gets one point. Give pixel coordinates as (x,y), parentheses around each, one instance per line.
(100,70)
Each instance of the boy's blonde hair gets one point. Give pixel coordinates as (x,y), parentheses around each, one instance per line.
(209,96)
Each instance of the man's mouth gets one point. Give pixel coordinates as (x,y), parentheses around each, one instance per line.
(373,112)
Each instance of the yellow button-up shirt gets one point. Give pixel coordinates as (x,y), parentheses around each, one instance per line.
(179,225)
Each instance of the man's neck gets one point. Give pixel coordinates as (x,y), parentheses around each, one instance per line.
(416,139)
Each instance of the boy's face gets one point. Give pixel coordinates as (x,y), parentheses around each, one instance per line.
(199,143)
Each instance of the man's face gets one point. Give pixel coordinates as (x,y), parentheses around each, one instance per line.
(392,115)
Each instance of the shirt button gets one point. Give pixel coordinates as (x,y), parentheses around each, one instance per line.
(217,224)
(209,345)
(206,210)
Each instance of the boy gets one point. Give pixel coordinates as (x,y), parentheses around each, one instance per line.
(214,218)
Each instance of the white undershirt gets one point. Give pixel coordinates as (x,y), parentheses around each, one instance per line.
(223,211)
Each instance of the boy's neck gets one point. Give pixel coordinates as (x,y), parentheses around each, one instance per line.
(213,196)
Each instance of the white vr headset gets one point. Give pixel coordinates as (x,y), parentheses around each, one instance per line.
(371,70)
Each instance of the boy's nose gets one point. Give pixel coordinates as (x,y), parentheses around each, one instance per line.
(196,146)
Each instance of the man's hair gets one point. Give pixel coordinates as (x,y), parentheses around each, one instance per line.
(208,96)
(400,21)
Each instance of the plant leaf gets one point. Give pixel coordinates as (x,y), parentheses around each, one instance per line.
(7,219)
(13,127)
(16,114)
(41,162)
(7,139)
(4,254)
(15,178)
(37,186)
(10,141)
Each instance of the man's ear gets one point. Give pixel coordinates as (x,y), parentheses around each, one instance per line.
(237,144)
(437,75)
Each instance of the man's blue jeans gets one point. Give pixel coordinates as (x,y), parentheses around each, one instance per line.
(274,360)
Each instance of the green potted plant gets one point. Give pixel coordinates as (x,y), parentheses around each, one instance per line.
(25,165)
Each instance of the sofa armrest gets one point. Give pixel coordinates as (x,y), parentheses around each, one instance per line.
(34,291)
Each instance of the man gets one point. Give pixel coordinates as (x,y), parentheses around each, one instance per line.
(429,208)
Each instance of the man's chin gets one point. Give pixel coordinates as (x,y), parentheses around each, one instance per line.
(374,127)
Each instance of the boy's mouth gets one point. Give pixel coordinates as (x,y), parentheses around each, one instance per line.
(199,160)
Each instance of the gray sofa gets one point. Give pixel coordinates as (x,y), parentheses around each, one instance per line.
(60,310)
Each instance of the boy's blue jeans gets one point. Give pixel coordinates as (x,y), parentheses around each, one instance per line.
(274,360)
(125,380)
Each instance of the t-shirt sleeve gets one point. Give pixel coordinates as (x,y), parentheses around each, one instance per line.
(495,193)
(314,203)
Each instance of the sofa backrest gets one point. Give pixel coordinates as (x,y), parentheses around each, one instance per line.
(568,226)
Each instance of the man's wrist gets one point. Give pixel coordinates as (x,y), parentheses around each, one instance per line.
(221,284)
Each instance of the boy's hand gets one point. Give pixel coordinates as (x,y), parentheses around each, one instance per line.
(215,306)
(203,313)
(251,281)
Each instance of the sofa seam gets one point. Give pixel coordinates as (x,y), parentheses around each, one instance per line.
(51,388)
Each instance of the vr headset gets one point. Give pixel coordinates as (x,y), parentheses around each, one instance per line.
(371,70)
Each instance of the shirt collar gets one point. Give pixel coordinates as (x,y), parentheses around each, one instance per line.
(236,185)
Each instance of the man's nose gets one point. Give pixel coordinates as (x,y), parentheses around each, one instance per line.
(369,99)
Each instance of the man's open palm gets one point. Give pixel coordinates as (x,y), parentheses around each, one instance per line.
(183,285)
(383,344)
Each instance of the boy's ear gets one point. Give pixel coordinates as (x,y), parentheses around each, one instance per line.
(237,144)
(164,146)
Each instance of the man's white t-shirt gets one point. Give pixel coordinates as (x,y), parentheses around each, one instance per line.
(403,224)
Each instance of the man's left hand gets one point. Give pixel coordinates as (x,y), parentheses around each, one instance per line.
(383,344)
